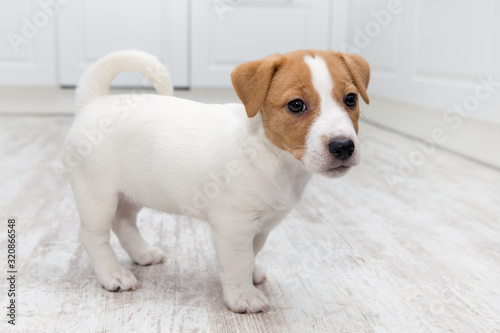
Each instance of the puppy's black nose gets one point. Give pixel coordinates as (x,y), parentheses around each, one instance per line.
(341,149)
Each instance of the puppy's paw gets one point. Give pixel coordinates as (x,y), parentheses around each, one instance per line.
(119,280)
(258,275)
(250,300)
(148,256)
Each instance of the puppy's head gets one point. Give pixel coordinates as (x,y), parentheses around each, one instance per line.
(309,101)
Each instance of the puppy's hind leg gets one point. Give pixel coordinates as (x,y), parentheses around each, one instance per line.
(125,228)
(97,208)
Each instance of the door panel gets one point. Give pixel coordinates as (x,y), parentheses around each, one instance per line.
(227,33)
(27,46)
(92,28)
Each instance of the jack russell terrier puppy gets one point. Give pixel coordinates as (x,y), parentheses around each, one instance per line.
(242,168)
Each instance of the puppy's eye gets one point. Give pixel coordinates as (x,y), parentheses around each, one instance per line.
(296,106)
(350,100)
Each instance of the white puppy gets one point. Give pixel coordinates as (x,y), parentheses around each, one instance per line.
(242,168)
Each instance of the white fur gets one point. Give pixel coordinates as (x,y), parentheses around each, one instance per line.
(333,122)
(211,162)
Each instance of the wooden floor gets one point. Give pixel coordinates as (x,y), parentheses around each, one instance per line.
(371,252)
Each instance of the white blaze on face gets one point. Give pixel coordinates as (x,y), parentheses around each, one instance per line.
(333,122)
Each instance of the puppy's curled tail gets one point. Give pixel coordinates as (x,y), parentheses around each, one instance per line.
(97,79)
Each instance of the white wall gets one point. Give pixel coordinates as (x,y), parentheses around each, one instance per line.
(433,56)
(430,53)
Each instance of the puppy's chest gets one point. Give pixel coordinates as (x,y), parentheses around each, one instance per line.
(276,201)
(282,196)
(279,195)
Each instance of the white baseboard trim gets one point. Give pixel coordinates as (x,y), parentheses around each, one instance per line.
(470,137)
(36,100)
(57,101)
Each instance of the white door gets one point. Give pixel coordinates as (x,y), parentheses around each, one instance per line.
(27,46)
(226,33)
(89,29)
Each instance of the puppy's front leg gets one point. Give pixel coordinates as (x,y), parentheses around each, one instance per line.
(259,240)
(234,245)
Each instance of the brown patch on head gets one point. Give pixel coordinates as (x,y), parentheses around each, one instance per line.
(292,81)
(269,84)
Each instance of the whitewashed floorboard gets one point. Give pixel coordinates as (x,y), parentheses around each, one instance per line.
(357,255)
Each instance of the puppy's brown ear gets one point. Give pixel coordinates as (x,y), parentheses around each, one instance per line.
(251,82)
(360,71)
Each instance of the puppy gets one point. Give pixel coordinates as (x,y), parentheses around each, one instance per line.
(242,168)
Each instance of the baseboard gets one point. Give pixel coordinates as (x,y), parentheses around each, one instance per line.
(470,137)
(36,100)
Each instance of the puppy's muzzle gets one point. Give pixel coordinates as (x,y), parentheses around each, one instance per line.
(341,149)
